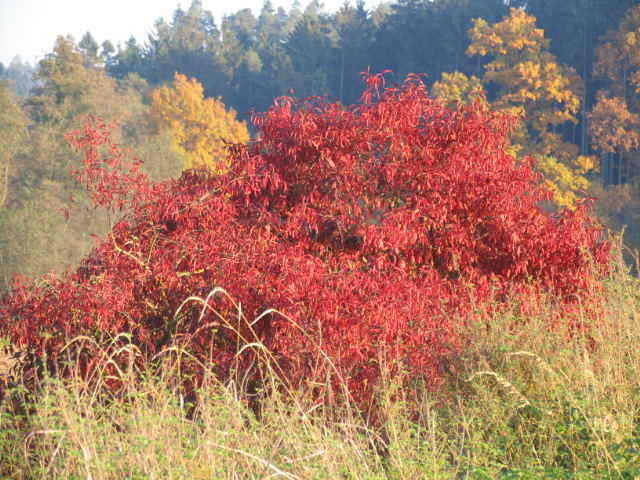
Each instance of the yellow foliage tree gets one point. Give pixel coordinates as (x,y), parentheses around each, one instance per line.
(457,87)
(565,180)
(531,83)
(528,75)
(618,58)
(201,127)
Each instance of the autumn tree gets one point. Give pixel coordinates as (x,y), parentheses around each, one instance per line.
(613,129)
(457,87)
(13,133)
(67,87)
(530,82)
(618,57)
(575,27)
(35,237)
(201,127)
(614,122)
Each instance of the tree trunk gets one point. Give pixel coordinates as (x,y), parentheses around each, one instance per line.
(5,189)
(583,136)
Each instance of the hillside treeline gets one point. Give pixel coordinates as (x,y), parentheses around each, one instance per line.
(570,68)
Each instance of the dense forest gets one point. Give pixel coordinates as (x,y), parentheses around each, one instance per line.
(570,68)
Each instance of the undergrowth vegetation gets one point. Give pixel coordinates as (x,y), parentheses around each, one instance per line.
(522,402)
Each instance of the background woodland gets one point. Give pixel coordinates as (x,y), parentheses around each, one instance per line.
(571,69)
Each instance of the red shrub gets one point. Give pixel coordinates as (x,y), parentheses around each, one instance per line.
(374,228)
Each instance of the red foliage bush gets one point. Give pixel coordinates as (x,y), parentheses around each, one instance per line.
(374,228)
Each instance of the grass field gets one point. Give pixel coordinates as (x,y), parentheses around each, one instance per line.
(523,403)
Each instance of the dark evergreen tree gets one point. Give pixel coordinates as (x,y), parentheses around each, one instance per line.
(356,32)
(191,45)
(20,76)
(127,60)
(315,59)
(424,36)
(89,49)
(265,67)
(106,52)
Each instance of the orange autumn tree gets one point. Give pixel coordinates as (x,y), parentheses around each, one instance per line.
(201,127)
(532,83)
(614,125)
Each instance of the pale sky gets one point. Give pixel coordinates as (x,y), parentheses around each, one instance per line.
(29,27)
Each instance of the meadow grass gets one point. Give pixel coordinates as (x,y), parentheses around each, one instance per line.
(523,402)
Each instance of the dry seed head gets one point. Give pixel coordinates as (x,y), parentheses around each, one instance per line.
(544,366)
(505,384)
